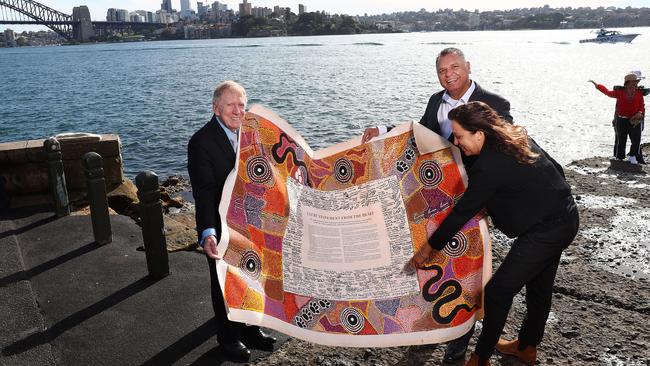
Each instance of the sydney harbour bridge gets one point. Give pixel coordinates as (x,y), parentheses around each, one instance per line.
(76,27)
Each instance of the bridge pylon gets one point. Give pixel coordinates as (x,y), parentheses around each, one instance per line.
(82,26)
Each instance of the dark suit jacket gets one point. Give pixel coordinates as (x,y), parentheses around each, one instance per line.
(517,196)
(210,158)
(498,103)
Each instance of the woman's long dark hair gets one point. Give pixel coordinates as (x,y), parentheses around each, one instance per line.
(500,135)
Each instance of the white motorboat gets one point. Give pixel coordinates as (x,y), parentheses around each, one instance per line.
(608,36)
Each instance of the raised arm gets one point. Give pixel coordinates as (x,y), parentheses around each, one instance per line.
(603,89)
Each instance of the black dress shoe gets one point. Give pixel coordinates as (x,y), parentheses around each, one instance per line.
(257,339)
(235,350)
(457,348)
(455,351)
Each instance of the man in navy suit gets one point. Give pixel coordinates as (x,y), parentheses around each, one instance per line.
(211,155)
(458,89)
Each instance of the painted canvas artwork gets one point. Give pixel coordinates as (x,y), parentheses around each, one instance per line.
(317,241)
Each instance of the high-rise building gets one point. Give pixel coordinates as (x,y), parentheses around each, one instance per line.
(200,9)
(185,6)
(301,9)
(261,12)
(219,13)
(162,16)
(134,17)
(217,6)
(10,35)
(122,16)
(111,15)
(281,11)
(166,5)
(10,38)
(245,8)
(147,16)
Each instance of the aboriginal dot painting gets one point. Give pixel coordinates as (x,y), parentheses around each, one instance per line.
(260,202)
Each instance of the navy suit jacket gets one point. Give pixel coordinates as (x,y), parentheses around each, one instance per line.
(210,158)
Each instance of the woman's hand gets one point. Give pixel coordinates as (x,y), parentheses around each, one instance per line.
(422,256)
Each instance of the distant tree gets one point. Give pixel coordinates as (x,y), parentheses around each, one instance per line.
(249,25)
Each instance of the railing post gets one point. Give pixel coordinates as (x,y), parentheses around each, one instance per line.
(56,176)
(96,185)
(153,234)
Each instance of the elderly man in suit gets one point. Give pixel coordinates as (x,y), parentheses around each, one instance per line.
(454,76)
(211,155)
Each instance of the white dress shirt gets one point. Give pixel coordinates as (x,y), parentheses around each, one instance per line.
(447,104)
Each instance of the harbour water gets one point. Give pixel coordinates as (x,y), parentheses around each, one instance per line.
(156,94)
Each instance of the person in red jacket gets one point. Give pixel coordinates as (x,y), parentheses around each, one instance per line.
(630,110)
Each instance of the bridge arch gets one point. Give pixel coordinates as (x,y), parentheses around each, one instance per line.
(57,21)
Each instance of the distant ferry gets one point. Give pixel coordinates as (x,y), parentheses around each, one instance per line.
(607,36)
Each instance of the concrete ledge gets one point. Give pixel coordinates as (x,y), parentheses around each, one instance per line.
(23,163)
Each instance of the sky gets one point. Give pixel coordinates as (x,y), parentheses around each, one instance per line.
(351,7)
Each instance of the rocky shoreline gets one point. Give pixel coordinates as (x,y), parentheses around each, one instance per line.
(601,297)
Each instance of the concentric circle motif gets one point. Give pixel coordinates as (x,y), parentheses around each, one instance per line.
(258,169)
(251,264)
(343,170)
(457,246)
(430,174)
(352,320)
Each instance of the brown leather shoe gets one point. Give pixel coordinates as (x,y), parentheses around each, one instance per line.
(528,355)
(474,360)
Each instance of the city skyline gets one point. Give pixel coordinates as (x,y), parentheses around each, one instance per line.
(98,8)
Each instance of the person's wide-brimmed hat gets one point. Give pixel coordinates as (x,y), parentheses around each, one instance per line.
(634,76)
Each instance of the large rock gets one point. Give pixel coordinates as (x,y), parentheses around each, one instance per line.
(124,199)
(179,236)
